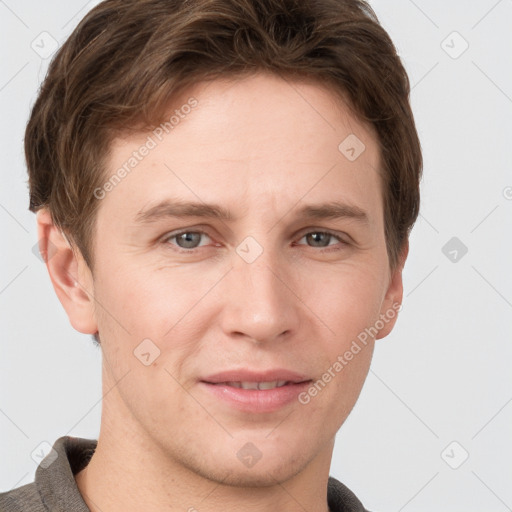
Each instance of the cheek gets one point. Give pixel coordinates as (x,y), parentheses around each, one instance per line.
(337,388)
(155,303)
(347,299)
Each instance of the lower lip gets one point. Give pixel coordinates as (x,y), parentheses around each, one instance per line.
(256,400)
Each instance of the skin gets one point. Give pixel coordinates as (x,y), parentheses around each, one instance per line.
(261,147)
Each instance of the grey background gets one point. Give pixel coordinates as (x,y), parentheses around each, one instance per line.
(443,375)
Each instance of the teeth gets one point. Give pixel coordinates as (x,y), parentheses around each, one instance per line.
(271,385)
(257,385)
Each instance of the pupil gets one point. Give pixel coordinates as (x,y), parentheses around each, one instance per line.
(187,241)
(316,237)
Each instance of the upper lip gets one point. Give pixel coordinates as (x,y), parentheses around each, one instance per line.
(255,376)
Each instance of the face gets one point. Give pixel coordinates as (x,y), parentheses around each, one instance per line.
(281,265)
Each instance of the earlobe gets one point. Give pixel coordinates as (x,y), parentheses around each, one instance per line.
(69,274)
(392,303)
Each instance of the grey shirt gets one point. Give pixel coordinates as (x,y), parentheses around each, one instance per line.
(55,489)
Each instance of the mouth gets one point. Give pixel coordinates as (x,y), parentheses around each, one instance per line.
(271,377)
(255,385)
(255,393)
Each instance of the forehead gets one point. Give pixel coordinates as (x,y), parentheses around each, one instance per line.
(261,140)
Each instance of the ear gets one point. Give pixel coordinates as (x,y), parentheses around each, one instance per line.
(392,302)
(69,274)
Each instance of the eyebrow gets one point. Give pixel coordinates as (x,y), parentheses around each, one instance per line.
(181,209)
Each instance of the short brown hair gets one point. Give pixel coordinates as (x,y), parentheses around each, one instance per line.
(127,59)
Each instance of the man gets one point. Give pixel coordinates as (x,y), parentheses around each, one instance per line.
(224,193)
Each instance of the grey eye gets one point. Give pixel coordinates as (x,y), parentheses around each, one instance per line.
(188,240)
(319,239)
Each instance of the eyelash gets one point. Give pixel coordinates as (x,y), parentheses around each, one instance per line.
(181,250)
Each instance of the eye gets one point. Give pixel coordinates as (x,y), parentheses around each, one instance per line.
(322,239)
(190,240)
(186,239)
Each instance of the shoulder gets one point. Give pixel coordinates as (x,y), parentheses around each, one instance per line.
(54,483)
(22,499)
(341,499)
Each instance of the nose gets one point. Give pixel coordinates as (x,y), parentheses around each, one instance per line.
(259,300)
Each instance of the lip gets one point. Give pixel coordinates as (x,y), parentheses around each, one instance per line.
(255,400)
(255,376)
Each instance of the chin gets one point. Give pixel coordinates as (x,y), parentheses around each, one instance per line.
(264,476)
(269,470)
